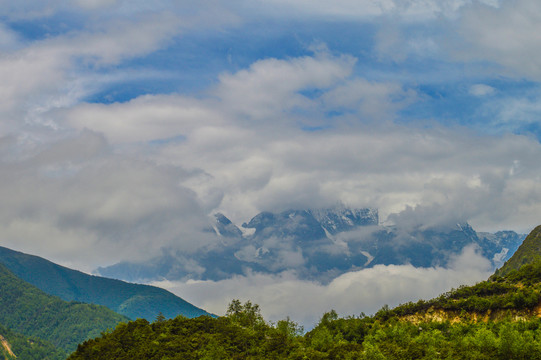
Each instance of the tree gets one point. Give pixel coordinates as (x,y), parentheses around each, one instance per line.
(247,315)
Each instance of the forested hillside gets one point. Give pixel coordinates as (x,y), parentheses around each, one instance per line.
(132,300)
(29,311)
(238,336)
(17,346)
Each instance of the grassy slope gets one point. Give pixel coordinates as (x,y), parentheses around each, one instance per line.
(528,252)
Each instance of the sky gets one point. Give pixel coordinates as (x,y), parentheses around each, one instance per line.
(125,124)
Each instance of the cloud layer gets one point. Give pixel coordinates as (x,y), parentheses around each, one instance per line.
(350,294)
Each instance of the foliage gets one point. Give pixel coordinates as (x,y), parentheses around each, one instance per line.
(519,292)
(28,311)
(242,334)
(26,348)
(333,338)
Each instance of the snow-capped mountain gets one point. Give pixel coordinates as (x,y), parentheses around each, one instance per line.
(317,244)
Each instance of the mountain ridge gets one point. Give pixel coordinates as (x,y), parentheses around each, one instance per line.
(131,300)
(318,245)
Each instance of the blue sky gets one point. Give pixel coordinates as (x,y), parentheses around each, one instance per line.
(124,121)
(418,52)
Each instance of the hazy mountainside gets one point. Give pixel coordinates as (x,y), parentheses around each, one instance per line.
(318,245)
(31,312)
(132,300)
(494,319)
(529,251)
(17,346)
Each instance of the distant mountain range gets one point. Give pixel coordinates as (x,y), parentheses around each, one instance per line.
(493,319)
(132,300)
(317,244)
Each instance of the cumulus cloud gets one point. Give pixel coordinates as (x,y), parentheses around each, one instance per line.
(76,201)
(156,166)
(252,153)
(45,74)
(349,294)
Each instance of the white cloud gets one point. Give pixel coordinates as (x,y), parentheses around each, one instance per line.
(253,155)
(411,10)
(506,35)
(45,74)
(143,119)
(481,90)
(75,201)
(349,294)
(245,151)
(271,86)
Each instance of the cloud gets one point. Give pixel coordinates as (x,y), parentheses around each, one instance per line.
(349,294)
(252,152)
(481,90)
(504,34)
(412,10)
(143,119)
(76,201)
(252,142)
(46,74)
(271,86)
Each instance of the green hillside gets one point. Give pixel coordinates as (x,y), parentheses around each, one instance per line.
(132,300)
(17,346)
(31,312)
(528,252)
(245,336)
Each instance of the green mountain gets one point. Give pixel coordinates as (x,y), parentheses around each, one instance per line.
(132,300)
(29,311)
(528,252)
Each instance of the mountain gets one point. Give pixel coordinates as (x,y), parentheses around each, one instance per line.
(317,244)
(131,300)
(494,319)
(528,252)
(29,311)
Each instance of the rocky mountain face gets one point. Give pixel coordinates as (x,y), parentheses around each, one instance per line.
(317,244)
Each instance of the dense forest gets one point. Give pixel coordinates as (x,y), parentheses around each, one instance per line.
(17,346)
(495,319)
(28,311)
